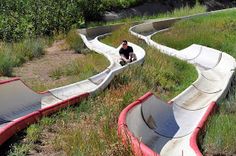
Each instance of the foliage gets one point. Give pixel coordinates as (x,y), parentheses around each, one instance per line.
(25,18)
(119,4)
(74,41)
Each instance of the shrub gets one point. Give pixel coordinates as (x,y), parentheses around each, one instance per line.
(74,41)
(120,4)
(91,10)
(5,65)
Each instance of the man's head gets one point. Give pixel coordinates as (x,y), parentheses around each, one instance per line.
(124,44)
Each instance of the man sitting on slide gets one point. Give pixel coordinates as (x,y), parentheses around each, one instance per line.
(126,53)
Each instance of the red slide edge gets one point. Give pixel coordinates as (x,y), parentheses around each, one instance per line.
(9,80)
(18,124)
(138,148)
(53,108)
(201,124)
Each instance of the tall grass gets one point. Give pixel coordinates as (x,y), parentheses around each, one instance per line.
(15,54)
(91,128)
(186,10)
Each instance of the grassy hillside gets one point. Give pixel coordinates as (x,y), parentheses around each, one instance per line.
(217,31)
(164,75)
(91,128)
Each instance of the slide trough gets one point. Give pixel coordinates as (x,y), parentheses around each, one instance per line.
(20,106)
(154,127)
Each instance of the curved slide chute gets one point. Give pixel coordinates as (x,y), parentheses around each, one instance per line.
(20,106)
(154,127)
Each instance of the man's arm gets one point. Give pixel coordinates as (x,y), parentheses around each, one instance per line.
(132,55)
(124,58)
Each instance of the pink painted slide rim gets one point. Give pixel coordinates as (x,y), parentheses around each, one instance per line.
(201,124)
(71,101)
(141,149)
(18,79)
(137,147)
(9,80)
(18,124)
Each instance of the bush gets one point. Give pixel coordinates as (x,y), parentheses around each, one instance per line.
(91,10)
(120,4)
(21,19)
(5,65)
(74,41)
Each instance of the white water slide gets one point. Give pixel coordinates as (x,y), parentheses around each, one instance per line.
(154,127)
(20,106)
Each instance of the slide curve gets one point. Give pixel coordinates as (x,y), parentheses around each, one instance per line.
(154,127)
(20,106)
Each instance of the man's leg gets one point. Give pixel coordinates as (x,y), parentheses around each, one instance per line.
(122,62)
(133,57)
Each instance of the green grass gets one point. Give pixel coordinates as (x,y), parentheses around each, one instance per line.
(160,69)
(92,127)
(90,64)
(15,54)
(217,31)
(33,135)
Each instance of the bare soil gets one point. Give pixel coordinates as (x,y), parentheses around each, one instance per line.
(36,73)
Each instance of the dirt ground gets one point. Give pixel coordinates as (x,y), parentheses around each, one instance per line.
(36,73)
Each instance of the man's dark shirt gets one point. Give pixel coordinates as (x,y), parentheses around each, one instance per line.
(126,52)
